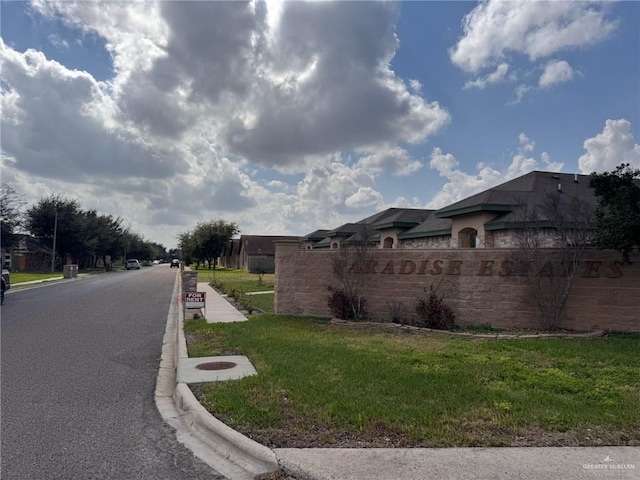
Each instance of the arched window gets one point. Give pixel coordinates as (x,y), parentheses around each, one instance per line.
(468,238)
(334,245)
(388,242)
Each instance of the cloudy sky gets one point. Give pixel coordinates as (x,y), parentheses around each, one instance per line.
(289,116)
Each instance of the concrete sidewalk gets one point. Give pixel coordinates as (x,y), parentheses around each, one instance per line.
(217,309)
(552,463)
(543,463)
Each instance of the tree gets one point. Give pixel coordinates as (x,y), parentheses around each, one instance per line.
(11,205)
(137,247)
(60,217)
(617,225)
(187,247)
(103,236)
(210,239)
(564,223)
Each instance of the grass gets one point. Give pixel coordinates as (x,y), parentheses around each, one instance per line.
(264,302)
(322,385)
(19,277)
(229,279)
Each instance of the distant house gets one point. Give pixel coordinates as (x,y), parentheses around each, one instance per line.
(257,252)
(29,254)
(485,220)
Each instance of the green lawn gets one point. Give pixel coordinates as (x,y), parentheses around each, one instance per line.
(323,385)
(264,302)
(228,279)
(19,277)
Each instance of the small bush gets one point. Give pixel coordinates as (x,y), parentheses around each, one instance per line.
(260,272)
(245,301)
(345,306)
(215,282)
(433,312)
(397,311)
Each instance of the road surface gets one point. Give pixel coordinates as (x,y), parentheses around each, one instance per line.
(79,367)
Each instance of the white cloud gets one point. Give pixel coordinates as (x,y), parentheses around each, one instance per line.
(555,71)
(330,87)
(56,41)
(364,197)
(192,111)
(520,91)
(495,30)
(497,76)
(273,84)
(416,86)
(57,124)
(395,159)
(608,149)
(526,144)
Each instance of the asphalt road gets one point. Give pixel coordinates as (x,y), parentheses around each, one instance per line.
(79,367)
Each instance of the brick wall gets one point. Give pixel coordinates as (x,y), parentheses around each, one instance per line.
(476,283)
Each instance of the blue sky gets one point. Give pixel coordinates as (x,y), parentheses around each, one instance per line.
(286,117)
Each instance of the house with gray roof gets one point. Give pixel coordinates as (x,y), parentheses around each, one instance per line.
(485,220)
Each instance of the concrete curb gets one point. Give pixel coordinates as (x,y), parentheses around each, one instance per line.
(230,453)
(230,444)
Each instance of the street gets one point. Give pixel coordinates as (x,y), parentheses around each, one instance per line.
(79,365)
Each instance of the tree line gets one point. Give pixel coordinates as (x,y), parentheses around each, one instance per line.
(85,236)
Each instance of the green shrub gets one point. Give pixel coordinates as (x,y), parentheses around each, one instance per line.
(242,299)
(216,282)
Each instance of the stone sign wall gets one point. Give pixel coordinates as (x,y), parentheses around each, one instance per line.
(480,285)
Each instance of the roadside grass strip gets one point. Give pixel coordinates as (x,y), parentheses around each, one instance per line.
(21,277)
(325,385)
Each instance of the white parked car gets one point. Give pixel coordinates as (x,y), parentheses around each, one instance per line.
(132,264)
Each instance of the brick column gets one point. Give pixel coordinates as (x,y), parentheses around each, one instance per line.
(189,281)
(283,298)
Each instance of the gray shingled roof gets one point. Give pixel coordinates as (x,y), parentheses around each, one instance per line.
(430,227)
(402,217)
(530,188)
(317,235)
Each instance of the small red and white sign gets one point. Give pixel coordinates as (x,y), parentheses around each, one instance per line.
(194,299)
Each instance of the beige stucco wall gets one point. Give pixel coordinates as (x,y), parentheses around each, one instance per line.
(390,233)
(475,221)
(475,283)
